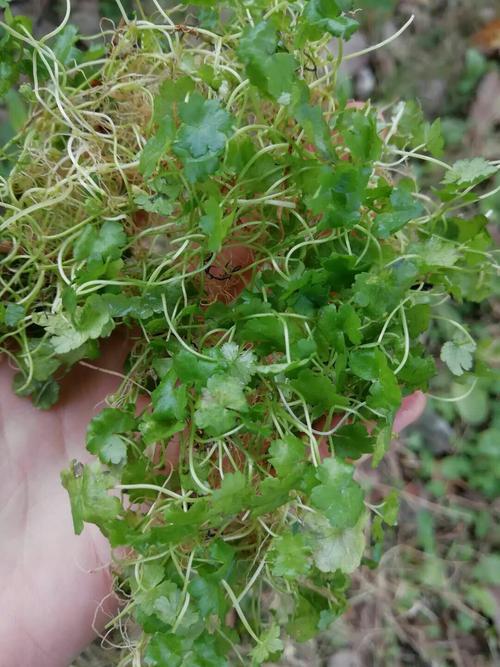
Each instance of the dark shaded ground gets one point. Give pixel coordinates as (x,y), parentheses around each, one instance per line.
(434,600)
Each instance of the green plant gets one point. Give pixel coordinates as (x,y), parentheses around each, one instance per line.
(205,188)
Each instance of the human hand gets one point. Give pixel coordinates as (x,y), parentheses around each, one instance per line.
(52,581)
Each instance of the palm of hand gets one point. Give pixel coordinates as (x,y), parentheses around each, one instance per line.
(51,580)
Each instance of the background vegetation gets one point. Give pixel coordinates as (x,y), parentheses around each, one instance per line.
(434,598)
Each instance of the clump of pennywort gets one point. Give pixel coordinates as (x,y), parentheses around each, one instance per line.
(201,182)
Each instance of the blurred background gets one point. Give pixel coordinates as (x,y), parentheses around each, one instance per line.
(434,598)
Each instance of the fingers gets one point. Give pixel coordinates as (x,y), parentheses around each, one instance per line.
(411,409)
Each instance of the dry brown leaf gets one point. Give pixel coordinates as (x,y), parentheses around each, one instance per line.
(488,38)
